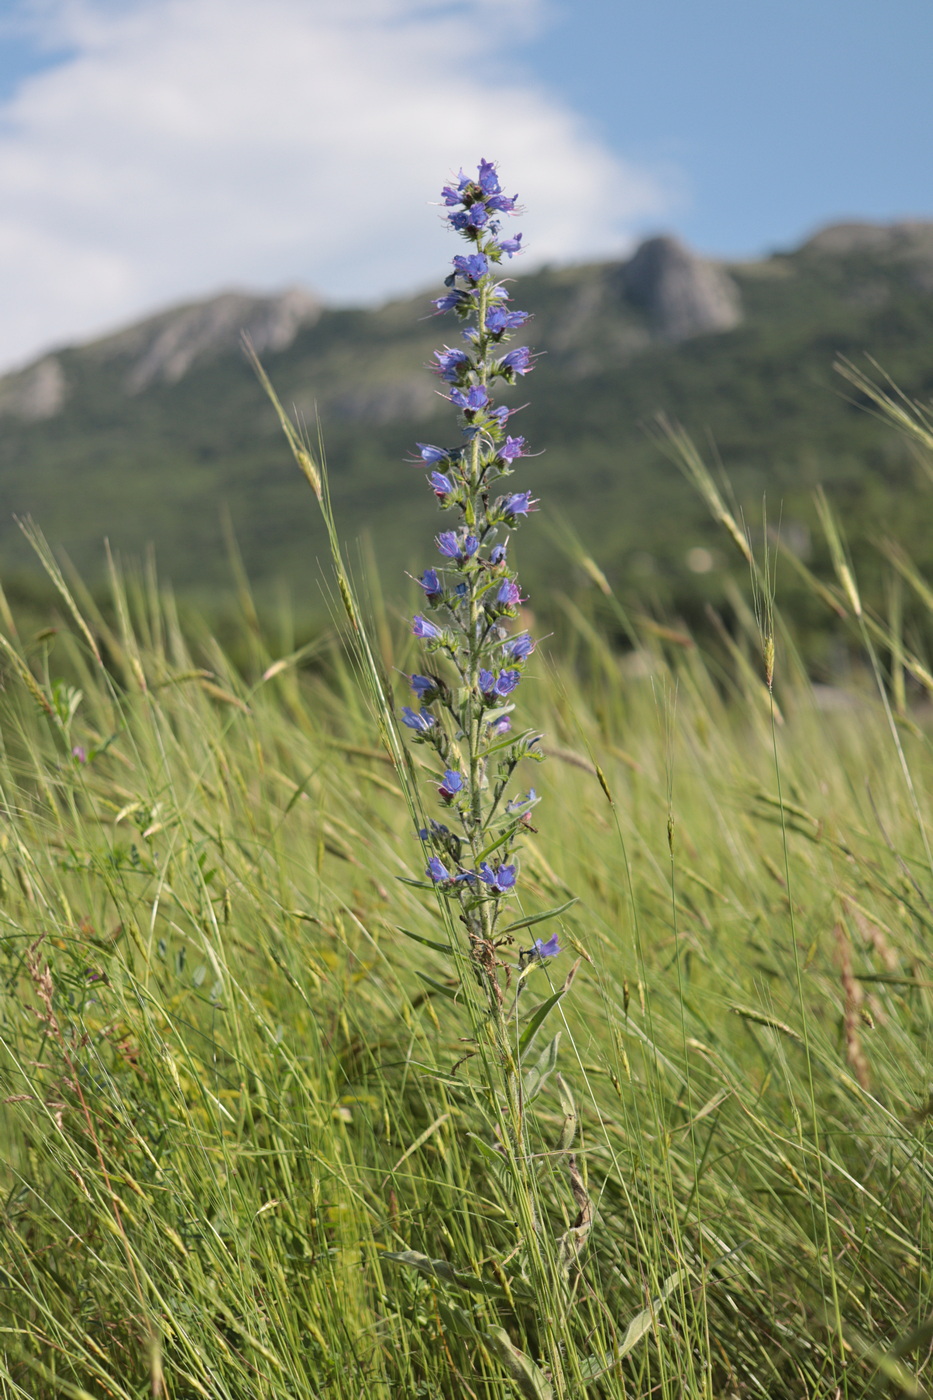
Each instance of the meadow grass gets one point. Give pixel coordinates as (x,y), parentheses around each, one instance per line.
(246,1144)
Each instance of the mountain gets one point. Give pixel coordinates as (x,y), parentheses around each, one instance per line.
(156,433)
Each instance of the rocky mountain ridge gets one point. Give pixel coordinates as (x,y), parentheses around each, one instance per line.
(157,434)
(165,347)
(679,294)
(674,293)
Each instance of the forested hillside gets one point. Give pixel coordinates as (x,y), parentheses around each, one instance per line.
(158,433)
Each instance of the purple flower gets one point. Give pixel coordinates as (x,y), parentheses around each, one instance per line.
(550,949)
(497,553)
(423,685)
(487,179)
(497,688)
(452,784)
(475,217)
(517,648)
(439,873)
(432,588)
(443,486)
(420,722)
(501,203)
(453,196)
(79,754)
(450,364)
(502,725)
(499,320)
(519,503)
(448,302)
(511,245)
(509,594)
(500,880)
(425,629)
(454,546)
(430,453)
(474,398)
(518,803)
(518,360)
(473,267)
(512,447)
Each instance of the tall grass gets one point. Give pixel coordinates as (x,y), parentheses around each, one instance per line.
(233,1088)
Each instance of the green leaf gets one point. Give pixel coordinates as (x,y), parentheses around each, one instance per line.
(298,791)
(538,1075)
(450,992)
(539,918)
(494,1158)
(445,1273)
(593,1367)
(530,1379)
(499,841)
(528,1033)
(569,1126)
(428,942)
(415,884)
(450,1081)
(505,743)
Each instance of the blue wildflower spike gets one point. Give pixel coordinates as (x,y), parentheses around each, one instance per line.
(473,593)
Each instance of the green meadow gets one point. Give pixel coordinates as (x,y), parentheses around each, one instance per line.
(246,1133)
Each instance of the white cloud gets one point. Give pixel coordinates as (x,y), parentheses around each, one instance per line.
(187,145)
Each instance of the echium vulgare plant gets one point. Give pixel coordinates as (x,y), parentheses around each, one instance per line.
(464,700)
(464,704)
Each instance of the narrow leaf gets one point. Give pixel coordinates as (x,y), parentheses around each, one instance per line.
(445,1273)
(428,942)
(569,1126)
(640,1324)
(539,918)
(529,1378)
(528,1033)
(538,1075)
(451,992)
(487,851)
(505,743)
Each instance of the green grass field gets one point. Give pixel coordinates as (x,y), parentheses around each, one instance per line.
(246,1144)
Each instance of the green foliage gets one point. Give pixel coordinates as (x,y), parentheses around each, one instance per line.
(245,1145)
(173,463)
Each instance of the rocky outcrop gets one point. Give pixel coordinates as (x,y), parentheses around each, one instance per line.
(910,236)
(34,393)
(164,348)
(908,243)
(682,294)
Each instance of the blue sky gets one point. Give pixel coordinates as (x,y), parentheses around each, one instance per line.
(779,117)
(159,150)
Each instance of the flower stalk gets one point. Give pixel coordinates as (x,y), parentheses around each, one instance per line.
(475,664)
(472,598)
